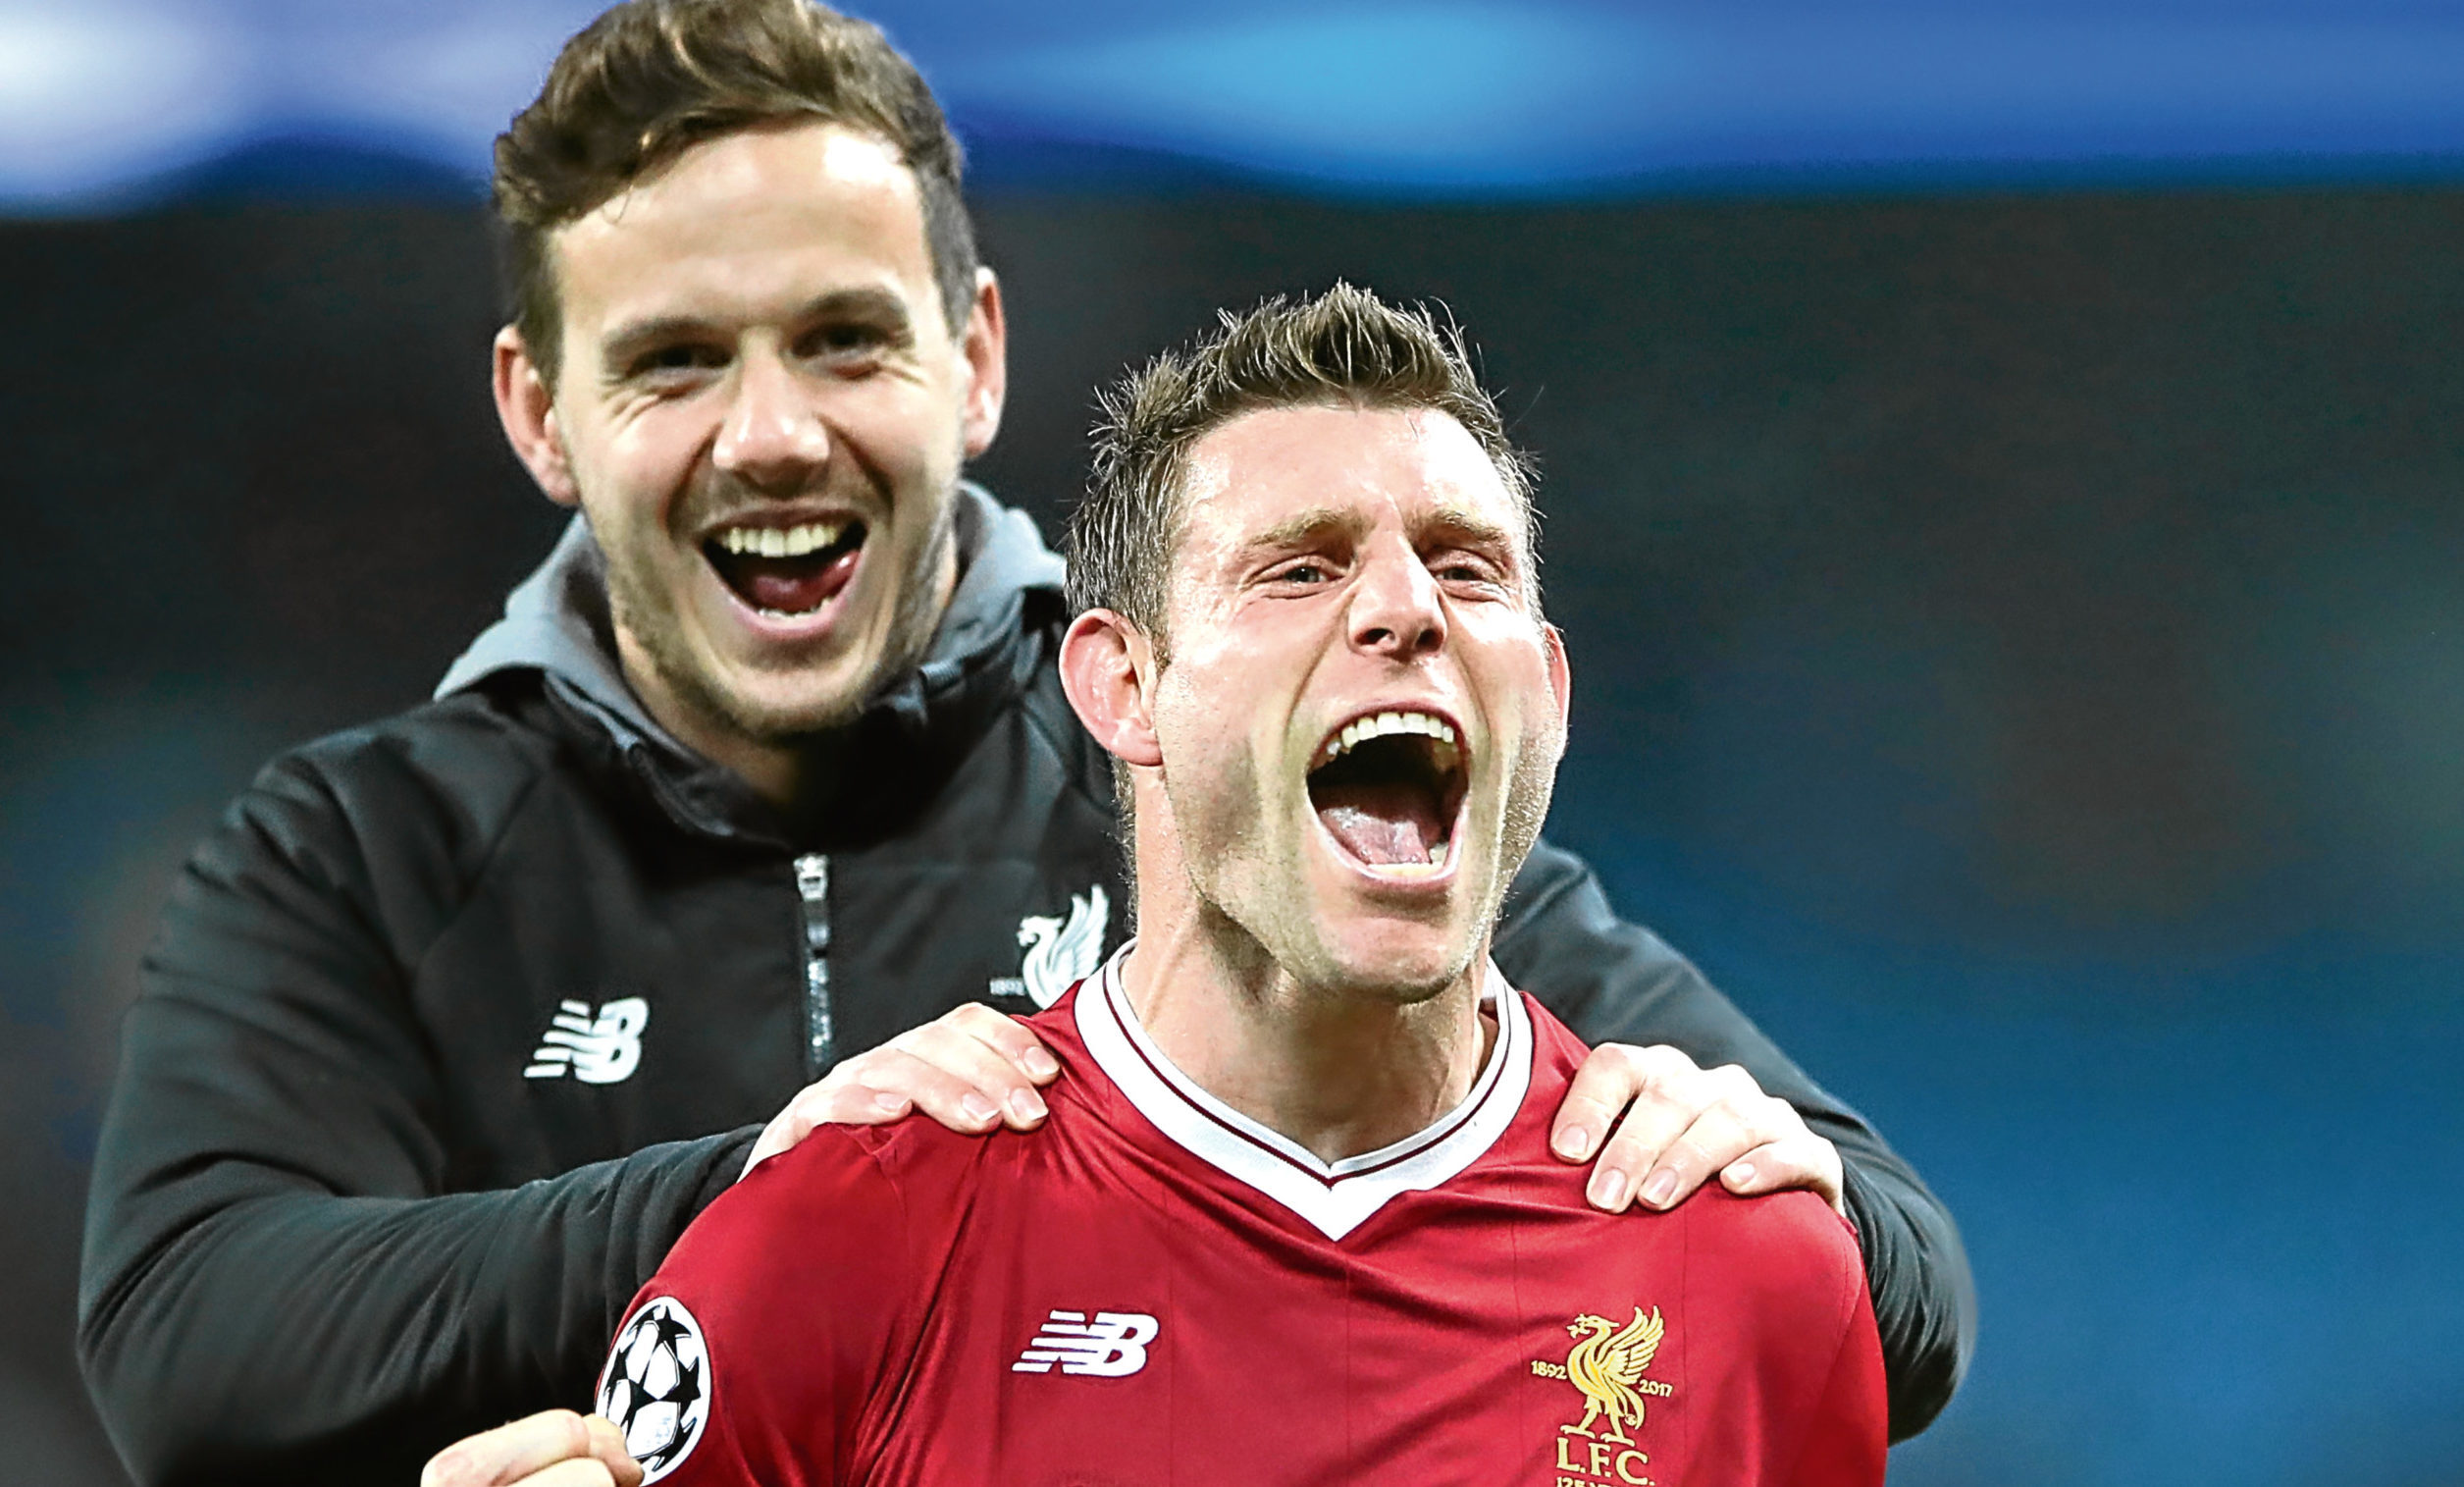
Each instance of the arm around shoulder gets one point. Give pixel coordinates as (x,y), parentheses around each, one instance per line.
(276,1284)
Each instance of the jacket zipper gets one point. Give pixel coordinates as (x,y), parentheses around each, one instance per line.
(813,889)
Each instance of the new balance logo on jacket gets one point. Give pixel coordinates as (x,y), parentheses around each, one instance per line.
(597,1048)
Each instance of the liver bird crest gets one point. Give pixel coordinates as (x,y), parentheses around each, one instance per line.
(1606,1362)
(1061,955)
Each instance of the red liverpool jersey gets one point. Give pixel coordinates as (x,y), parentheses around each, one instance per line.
(1153,1289)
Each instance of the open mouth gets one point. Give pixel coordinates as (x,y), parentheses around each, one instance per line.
(1388,788)
(786,572)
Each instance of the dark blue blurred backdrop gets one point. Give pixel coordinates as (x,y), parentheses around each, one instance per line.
(2003,470)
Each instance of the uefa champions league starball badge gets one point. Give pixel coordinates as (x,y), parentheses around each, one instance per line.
(656,1386)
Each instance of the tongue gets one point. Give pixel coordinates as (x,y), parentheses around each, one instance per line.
(792,585)
(1381,823)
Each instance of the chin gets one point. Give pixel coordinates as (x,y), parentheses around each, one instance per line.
(783,714)
(1406,963)
(785,696)
(774,706)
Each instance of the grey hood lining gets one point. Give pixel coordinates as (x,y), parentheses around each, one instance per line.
(557,623)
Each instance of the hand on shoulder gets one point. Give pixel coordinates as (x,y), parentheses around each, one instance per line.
(970,1069)
(1669,1125)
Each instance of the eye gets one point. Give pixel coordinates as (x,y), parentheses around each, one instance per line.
(1465,568)
(668,362)
(845,342)
(845,338)
(1307,570)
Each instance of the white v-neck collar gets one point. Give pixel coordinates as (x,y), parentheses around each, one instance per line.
(1334,1197)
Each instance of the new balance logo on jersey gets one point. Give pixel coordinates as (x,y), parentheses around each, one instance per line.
(597,1048)
(1111,1346)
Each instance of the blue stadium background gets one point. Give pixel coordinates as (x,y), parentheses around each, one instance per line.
(2004,464)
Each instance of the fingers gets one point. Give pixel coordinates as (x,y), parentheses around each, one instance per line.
(995,1062)
(849,1096)
(1609,1079)
(1804,1161)
(520,1452)
(972,1069)
(584,1474)
(1630,1105)
(1670,1125)
(609,1449)
(888,1084)
(1726,1125)
(1006,1036)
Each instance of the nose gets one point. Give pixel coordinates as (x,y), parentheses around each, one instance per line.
(1396,611)
(772,437)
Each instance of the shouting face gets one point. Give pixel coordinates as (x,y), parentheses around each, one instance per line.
(763,409)
(1362,711)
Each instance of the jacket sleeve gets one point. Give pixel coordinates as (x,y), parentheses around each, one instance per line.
(1612,981)
(279,1284)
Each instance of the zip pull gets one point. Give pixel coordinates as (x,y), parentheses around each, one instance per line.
(812,890)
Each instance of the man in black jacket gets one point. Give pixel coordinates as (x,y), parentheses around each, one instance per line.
(460,1017)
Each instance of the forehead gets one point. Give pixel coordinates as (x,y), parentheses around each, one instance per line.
(740,225)
(1376,467)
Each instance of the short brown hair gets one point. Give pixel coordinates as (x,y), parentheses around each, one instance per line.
(1345,347)
(651,79)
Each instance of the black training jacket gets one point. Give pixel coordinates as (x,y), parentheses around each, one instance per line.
(456,1020)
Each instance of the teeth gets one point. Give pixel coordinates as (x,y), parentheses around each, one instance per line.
(1430,868)
(782,541)
(1361,729)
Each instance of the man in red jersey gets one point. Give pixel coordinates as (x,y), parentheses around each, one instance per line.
(1294,1217)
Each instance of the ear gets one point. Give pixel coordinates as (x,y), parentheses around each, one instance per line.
(1560,674)
(528,412)
(986,351)
(1106,665)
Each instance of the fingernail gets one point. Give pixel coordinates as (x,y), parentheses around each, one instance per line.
(1738,1174)
(1024,1107)
(978,1109)
(1609,1188)
(1656,1190)
(1574,1143)
(1040,1064)
(889,1105)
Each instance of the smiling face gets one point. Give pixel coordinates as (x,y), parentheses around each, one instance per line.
(1362,712)
(763,410)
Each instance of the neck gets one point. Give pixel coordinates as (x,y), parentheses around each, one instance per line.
(1340,1070)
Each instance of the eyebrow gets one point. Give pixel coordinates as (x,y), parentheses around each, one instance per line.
(1458,525)
(1450,525)
(1297,529)
(869,303)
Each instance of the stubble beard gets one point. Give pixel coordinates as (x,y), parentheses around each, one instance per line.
(1528,794)
(1529,790)
(1242,943)
(642,609)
